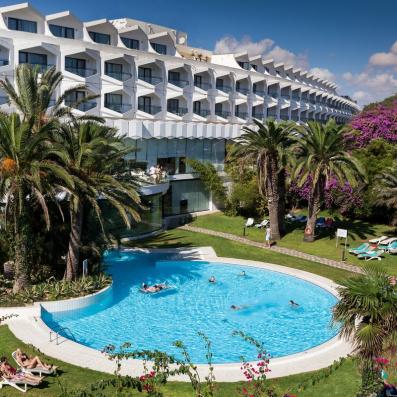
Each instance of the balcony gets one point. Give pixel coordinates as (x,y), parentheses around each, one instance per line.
(273,95)
(295,98)
(121,76)
(179,82)
(224,114)
(257,116)
(242,90)
(285,96)
(83,107)
(313,101)
(260,93)
(151,79)
(202,112)
(4,62)
(82,72)
(242,115)
(118,107)
(224,88)
(204,86)
(149,109)
(178,111)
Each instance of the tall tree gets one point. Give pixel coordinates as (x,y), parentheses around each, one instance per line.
(386,190)
(93,155)
(366,313)
(322,155)
(266,148)
(29,176)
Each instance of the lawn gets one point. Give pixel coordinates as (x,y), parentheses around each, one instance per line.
(342,383)
(325,244)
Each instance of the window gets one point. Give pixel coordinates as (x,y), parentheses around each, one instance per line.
(113,100)
(62,31)
(75,65)
(237,85)
(159,48)
(244,65)
(173,105)
(22,24)
(219,83)
(32,58)
(198,80)
(197,107)
(100,38)
(130,43)
(145,103)
(74,97)
(255,67)
(254,87)
(174,76)
(218,108)
(114,70)
(144,73)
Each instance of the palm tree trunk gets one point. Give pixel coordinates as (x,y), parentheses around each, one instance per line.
(76,226)
(313,209)
(281,207)
(273,197)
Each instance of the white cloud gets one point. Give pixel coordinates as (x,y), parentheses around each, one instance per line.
(385,59)
(265,47)
(323,73)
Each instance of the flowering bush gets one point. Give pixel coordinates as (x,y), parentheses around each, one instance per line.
(378,121)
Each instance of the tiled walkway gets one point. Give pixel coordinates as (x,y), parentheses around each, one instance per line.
(281,250)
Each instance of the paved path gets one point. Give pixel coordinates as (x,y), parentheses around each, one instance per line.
(281,250)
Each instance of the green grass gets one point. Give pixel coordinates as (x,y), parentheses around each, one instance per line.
(325,244)
(342,383)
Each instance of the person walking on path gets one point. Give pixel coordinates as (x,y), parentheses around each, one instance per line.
(268,236)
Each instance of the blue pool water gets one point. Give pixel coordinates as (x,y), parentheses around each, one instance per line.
(156,321)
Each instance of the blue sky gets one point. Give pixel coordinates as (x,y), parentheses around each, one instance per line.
(348,41)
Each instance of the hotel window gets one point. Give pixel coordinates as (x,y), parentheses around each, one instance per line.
(75,65)
(159,48)
(74,97)
(219,83)
(62,31)
(100,38)
(32,58)
(244,65)
(197,80)
(254,87)
(255,67)
(144,73)
(174,76)
(130,43)
(22,24)
(197,107)
(144,103)
(114,70)
(173,105)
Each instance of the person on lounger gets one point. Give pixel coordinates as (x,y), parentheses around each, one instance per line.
(30,362)
(10,373)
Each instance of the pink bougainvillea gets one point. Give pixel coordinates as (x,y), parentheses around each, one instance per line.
(377,122)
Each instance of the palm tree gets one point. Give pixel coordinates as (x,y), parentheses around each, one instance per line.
(29,176)
(34,96)
(386,189)
(266,147)
(322,155)
(366,313)
(93,155)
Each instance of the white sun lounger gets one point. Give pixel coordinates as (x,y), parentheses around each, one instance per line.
(388,241)
(377,240)
(250,222)
(264,223)
(37,370)
(16,382)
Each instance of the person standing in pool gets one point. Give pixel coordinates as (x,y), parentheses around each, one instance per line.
(212,279)
(268,236)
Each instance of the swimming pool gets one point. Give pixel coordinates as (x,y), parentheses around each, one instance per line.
(195,305)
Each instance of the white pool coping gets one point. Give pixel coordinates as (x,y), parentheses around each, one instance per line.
(29,328)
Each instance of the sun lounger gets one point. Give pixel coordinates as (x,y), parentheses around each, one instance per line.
(37,370)
(384,244)
(393,251)
(377,240)
(371,255)
(250,222)
(19,384)
(262,224)
(360,249)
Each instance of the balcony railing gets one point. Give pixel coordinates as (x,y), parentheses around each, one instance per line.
(257,116)
(150,109)
(242,115)
(284,117)
(285,96)
(83,107)
(224,114)
(3,100)
(224,88)
(178,82)
(295,98)
(202,112)
(259,93)
(178,111)
(203,85)
(4,62)
(122,76)
(243,90)
(313,101)
(83,72)
(150,79)
(273,94)
(42,67)
(119,107)
(295,118)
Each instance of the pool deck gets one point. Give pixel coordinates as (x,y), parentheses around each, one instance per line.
(29,328)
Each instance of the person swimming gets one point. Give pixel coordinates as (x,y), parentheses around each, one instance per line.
(242,274)
(153,288)
(212,279)
(293,304)
(235,307)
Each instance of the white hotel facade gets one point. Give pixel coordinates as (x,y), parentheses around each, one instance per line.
(172,101)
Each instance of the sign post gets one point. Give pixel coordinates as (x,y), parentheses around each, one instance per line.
(342,233)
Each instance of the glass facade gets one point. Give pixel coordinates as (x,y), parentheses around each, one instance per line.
(130,43)
(62,31)
(100,38)
(151,151)
(159,48)
(185,197)
(22,24)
